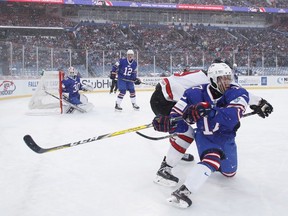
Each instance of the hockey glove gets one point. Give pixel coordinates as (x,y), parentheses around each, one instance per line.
(164,124)
(137,81)
(263,109)
(112,75)
(193,113)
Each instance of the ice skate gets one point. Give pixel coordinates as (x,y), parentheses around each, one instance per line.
(164,175)
(180,198)
(135,106)
(117,107)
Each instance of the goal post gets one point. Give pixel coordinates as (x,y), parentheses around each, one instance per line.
(51,81)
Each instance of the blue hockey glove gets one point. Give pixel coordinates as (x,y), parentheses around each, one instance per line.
(263,109)
(193,113)
(164,124)
(137,81)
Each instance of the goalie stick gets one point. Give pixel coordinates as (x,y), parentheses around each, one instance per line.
(67,102)
(171,135)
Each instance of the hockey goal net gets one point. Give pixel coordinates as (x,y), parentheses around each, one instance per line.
(48,94)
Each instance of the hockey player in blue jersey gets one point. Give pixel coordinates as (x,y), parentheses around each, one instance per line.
(71,85)
(216,108)
(127,77)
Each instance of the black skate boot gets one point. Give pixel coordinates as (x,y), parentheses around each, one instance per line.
(180,198)
(164,175)
(118,108)
(135,106)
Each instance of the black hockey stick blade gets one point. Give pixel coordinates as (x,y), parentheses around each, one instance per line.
(31,144)
(154,138)
(36,148)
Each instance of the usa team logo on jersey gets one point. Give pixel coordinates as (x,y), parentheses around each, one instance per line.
(7,88)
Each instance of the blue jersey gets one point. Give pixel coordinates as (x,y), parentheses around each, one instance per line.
(126,69)
(216,132)
(227,110)
(72,87)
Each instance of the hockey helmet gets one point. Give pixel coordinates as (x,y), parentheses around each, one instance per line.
(220,76)
(72,72)
(130,52)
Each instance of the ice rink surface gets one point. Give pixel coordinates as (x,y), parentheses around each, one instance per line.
(114,176)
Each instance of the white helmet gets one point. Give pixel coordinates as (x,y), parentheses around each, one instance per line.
(220,76)
(72,72)
(130,52)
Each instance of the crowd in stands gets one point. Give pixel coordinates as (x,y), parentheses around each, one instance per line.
(30,16)
(243,3)
(100,45)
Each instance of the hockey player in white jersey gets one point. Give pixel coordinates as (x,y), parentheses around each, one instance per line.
(169,90)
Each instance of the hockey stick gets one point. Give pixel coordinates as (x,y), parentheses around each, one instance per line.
(249,114)
(171,135)
(154,138)
(67,102)
(36,148)
(127,80)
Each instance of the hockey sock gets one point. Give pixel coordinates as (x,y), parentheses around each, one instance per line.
(197,177)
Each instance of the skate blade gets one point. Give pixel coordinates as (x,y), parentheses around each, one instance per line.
(177,203)
(164,182)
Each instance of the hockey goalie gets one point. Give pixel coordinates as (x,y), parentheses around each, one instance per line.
(75,102)
(57,93)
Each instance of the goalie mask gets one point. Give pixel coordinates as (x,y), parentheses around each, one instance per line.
(220,76)
(72,72)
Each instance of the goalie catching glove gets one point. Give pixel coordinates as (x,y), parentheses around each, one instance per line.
(263,109)
(193,113)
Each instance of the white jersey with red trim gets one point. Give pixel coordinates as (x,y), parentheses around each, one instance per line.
(173,87)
